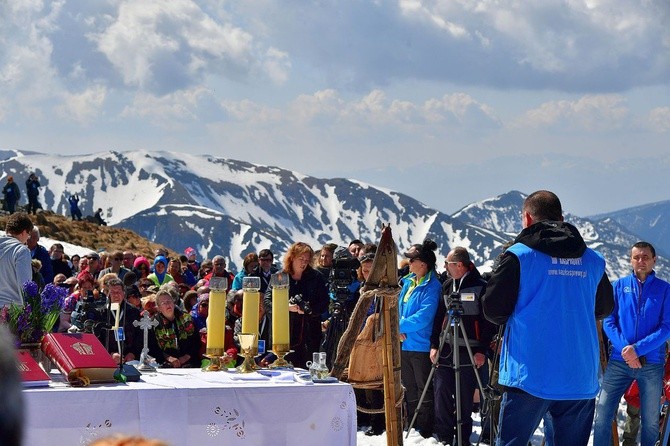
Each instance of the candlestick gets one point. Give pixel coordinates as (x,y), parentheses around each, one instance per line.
(251,299)
(280,318)
(216,318)
(281,335)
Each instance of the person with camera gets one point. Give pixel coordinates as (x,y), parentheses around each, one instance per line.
(308,298)
(638,330)
(343,286)
(549,288)
(420,293)
(83,305)
(461,294)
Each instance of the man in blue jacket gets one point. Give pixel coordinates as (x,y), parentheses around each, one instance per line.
(548,289)
(638,329)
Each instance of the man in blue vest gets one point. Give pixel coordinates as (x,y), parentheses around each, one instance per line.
(638,329)
(548,289)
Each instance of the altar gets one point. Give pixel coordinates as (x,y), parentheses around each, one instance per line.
(188,406)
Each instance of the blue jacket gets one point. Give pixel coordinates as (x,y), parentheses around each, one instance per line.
(418,312)
(556,301)
(641,317)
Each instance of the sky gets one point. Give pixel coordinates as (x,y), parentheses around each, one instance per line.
(447,101)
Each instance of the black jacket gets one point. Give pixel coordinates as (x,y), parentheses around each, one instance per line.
(480,331)
(554,238)
(305,329)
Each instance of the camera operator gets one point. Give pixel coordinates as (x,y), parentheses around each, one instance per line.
(324,263)
(343,286)
(462,291)
(87,304)
(308,296)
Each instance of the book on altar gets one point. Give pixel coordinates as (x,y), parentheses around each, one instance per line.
(80,357)
(31,372)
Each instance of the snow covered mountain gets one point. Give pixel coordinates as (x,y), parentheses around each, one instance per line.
(649,222)
(222,206)
(229,207)
(610,237)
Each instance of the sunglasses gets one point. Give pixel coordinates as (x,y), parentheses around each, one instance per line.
(204,305)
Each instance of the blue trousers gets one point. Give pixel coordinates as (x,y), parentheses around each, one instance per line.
(520,415)
(618,377)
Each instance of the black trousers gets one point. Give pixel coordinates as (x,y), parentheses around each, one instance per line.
(444,380)
(414,373)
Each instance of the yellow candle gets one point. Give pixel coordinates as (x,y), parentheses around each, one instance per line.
(280,331)
(250,304)
(216,320)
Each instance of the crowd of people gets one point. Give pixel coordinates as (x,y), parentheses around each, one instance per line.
(544,298)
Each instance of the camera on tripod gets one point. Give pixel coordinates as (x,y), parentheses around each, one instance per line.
(342,275)
(90,314)
(462,304)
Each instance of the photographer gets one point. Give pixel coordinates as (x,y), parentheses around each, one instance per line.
(343,290)
(462,291)
(86,305)
(308,296)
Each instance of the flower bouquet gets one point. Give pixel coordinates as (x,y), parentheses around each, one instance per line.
(30,322)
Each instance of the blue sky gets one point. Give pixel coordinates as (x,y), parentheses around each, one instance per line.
(448,101)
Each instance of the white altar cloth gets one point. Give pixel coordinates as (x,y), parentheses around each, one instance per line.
(191,407)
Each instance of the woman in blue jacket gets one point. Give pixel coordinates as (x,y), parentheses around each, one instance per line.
(418,300)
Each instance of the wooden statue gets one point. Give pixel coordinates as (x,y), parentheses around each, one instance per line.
(382,283)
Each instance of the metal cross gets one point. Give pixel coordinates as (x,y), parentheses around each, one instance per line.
(145,324)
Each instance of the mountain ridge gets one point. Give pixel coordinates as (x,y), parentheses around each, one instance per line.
(231,207)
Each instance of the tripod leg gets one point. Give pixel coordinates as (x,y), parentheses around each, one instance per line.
(443,338)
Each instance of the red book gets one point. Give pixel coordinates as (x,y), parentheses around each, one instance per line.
(80,357)
(31,373)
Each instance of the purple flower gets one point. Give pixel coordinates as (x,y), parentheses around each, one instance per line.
(53,297)
(30,288)
(23,323)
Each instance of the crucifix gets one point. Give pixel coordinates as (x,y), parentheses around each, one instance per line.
(145,324)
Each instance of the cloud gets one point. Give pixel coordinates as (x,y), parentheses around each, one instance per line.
(659,119)
(588,113)
(574,46)
(85,106)
(170,111)
(167,46)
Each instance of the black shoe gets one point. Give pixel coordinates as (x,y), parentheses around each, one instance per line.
(373,431)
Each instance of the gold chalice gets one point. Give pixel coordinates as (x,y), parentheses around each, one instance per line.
(247,343)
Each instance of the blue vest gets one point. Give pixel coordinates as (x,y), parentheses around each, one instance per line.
(550,347)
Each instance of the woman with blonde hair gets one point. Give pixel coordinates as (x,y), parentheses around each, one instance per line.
(308,296)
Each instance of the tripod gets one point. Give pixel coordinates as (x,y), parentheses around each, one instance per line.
(455,312)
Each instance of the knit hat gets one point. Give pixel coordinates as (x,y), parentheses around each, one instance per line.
(141,260)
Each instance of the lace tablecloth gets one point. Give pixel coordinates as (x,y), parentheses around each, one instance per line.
(188,406)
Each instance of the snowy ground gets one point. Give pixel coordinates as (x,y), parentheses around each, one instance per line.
(415,439)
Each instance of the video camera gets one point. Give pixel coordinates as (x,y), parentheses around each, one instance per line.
(90,315)
(462,304)
(342,275)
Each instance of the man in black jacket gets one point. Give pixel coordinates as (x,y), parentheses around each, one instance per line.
(466,283)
